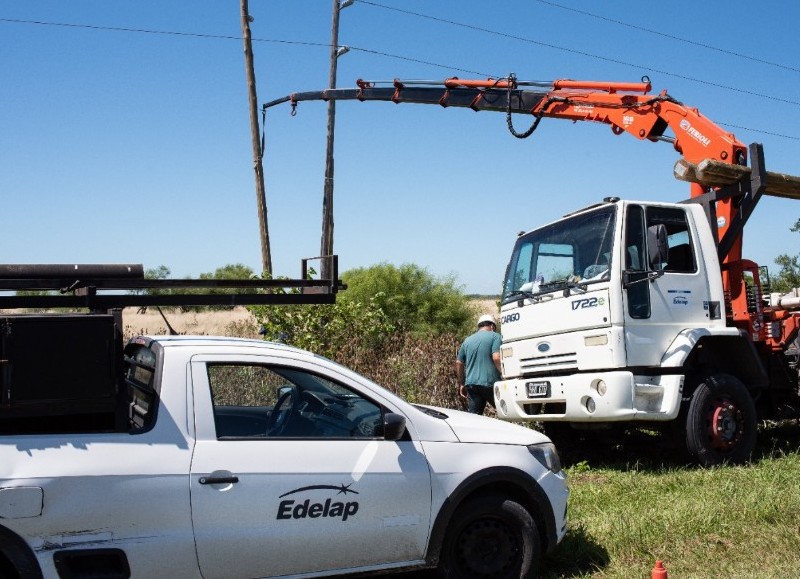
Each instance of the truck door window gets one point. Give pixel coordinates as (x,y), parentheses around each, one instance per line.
(680,256)
(282,402)
(636,261)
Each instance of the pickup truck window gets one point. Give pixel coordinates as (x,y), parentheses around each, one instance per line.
(280,402)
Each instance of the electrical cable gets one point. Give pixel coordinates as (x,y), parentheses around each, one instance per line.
(580,52)
(670,36)
(395,56)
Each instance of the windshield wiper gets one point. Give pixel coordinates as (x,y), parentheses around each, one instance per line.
(523,293)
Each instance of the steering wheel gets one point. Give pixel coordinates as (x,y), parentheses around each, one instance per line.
(279,418)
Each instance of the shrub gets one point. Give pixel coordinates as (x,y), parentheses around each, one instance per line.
(413,299)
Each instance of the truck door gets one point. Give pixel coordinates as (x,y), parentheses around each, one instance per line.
(666,290)
(291,475)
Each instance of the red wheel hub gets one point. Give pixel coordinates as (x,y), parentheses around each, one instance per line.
(725,424)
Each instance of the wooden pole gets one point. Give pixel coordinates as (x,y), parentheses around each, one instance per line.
(261,194)
(326,242)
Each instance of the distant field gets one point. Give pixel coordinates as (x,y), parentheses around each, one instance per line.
(236,322)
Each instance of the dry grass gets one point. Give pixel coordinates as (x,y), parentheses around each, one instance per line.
(237,322)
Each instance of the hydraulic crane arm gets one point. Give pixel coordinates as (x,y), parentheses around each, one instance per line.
(626,107)
(728,195)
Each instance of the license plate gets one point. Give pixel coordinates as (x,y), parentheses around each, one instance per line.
(538,389)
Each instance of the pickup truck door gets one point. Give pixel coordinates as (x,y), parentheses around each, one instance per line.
(287,502)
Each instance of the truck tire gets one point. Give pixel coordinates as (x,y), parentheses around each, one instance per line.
(490,536)
(721,422)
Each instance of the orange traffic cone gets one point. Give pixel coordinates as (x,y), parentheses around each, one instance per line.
(659,572)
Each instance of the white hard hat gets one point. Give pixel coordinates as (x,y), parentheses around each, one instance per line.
(486,318)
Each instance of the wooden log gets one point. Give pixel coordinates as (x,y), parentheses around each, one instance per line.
(711,173)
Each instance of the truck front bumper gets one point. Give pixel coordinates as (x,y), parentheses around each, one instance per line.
(590,397)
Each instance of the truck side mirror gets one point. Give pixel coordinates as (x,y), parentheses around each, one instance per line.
(657,246)
(394,426)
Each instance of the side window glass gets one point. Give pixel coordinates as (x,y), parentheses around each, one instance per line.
(679,257)
(281,402)
(636,261)
(519,268)
(634,240)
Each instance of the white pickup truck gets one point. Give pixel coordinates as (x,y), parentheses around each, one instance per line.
(231,458)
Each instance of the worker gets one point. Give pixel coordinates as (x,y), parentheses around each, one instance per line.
(478,365)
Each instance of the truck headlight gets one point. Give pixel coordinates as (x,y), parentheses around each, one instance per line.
(546,454)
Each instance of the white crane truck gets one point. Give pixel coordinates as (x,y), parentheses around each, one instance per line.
(636,312)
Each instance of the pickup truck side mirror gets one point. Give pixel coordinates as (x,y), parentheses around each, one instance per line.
(394,426)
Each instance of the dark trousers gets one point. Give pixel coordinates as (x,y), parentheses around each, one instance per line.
(478,396)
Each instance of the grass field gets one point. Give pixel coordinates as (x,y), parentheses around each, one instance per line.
(633,502)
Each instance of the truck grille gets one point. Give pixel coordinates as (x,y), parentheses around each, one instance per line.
(549,364)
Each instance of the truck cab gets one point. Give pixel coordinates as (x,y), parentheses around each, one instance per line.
(602,311)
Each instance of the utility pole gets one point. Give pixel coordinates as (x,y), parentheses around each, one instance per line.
(326,244)
(261,194)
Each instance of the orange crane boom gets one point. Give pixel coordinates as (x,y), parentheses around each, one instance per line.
(627,108)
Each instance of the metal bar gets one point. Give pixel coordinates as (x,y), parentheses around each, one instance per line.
(71,271)
(107,302)
(138,284)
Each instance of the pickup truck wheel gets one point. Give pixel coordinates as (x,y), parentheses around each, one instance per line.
(17,561)
(721,422)
(490,536)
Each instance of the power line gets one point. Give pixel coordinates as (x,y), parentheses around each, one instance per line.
(579,52)
(378,53)
(238,38)
(760,131)
(670,36)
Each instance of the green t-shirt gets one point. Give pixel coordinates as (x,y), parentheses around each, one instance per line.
(476,354)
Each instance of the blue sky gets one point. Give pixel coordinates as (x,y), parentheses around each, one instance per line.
(134,146)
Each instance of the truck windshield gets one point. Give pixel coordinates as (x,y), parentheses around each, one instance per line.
(572,251)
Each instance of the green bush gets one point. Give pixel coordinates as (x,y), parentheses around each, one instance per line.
(413,299)
(327,328)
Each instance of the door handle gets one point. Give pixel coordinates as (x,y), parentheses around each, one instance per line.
(216,480)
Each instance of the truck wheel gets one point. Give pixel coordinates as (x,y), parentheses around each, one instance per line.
(721,422)
(490,536)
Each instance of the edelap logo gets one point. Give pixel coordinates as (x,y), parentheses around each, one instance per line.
(314,509)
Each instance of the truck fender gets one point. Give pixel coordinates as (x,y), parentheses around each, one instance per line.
(513,482)
(729,351)
(683,345)
(14,551)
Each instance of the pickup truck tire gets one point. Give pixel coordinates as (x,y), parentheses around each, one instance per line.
(490,536)
(17,561)
(721,422)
